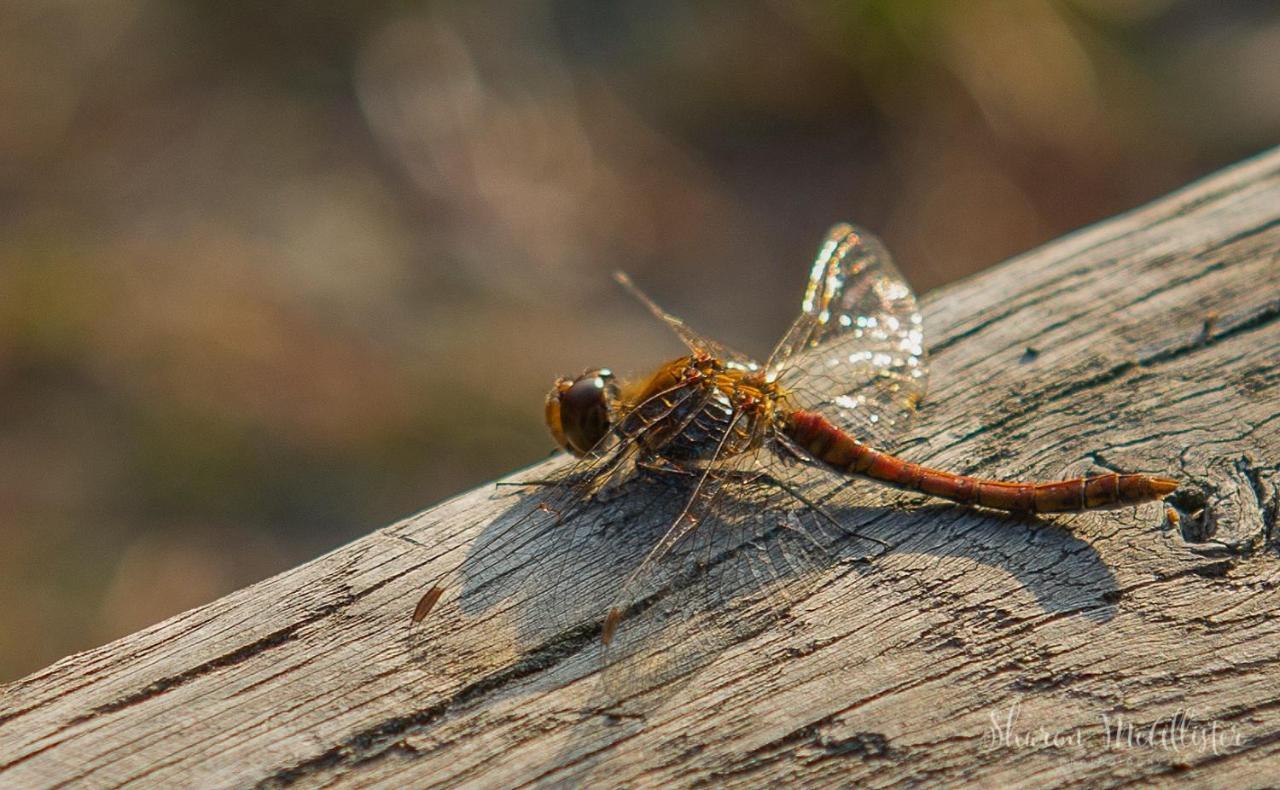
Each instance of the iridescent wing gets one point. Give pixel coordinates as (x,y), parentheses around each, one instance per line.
(856,353)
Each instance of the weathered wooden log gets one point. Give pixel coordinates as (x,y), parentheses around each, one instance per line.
(980,648)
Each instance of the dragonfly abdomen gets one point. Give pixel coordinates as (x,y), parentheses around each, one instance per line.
(841,451)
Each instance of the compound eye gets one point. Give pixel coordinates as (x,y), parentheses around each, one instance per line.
(583,396)
(583,410)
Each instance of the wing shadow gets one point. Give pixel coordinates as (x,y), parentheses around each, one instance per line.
(700,623)
(552,578)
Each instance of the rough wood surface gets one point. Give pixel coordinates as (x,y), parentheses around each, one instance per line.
(1148,343)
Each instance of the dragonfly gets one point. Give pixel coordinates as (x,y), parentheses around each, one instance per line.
(836,391)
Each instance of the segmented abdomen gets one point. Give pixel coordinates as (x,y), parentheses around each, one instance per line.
(841,451)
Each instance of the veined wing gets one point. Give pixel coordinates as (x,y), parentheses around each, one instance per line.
(695,341)
(746,546)
(537,541)
(856,353)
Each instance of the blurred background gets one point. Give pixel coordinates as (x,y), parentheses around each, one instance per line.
(275,274)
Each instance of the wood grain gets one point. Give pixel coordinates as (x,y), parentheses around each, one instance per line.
(1148,343)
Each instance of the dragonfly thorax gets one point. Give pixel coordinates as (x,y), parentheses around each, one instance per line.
(689,410)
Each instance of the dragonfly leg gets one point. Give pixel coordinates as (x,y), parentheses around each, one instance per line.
(662,466)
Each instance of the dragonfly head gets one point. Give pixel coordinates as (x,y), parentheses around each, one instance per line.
(580,411)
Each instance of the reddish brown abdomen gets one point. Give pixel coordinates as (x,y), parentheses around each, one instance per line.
(845,454)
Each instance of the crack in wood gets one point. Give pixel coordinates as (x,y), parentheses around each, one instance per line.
(232,658)
(816,736)
(374,742)
(1267,505)
(1034,401)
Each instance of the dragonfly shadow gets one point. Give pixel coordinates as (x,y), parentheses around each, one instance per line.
(547,579)
(552,572)
(1063,571)
(546,573)
(551,575)
(667,642)
(774,562)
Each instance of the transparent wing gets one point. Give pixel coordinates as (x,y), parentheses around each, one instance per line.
(856,353)
(742,553)
(695,341)
(745,546)
(553,533)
